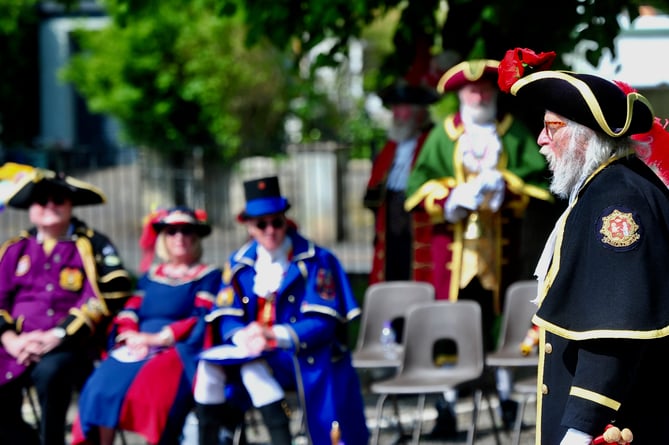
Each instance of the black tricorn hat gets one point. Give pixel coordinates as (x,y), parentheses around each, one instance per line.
(41,182)
(263,197)
(404,93)
(588,99)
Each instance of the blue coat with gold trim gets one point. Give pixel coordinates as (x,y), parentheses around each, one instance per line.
(604,311)
(316,304)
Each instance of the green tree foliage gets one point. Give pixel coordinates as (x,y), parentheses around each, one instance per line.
(223,74)
(471,28)
(177,75)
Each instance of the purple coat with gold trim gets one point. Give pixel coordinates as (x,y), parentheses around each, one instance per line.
(78,285)
(315,303)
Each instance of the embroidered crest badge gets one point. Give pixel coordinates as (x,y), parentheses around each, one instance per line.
(22,266)
(225,297)
(325,285)
(619,229)
(71,279)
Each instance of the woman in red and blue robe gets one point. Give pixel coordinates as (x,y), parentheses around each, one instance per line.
(150,392)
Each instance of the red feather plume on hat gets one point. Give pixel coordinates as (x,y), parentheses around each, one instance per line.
(519,60)
(147,240)
(657,139)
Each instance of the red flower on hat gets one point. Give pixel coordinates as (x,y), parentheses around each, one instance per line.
(201,215)
(517,61)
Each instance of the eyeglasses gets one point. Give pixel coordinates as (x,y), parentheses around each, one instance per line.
(276,222)
(551,127)
(57,199)
(185,230)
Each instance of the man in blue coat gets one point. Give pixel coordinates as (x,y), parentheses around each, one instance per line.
(286,303)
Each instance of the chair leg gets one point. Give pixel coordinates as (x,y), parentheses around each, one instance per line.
(419,419)
(491,412)
(121,435)
(396,408)
(471,433)
(519,421)
(379,411)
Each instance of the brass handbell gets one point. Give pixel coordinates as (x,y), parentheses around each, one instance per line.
(473,230)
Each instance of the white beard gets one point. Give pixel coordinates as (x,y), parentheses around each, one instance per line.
(479,114)
(403,131)
(567,170)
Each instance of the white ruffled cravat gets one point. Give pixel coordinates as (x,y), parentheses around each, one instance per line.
(270,268)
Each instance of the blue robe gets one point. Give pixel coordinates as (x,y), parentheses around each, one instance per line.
(315,303)
(152,396)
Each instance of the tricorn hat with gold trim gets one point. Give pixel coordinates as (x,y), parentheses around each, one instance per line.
(588,99)
(40,182)
(468,72)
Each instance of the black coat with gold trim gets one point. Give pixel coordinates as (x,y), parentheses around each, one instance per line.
(604,312)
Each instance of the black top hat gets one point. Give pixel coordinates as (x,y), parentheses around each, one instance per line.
(588,99)
(179,216)
(263,197)
(403,93)
(39,183)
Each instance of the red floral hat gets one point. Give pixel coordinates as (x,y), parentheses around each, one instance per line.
(588,99)
(468,72)
(181,215)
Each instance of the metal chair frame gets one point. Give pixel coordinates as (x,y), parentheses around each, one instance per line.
(418,375)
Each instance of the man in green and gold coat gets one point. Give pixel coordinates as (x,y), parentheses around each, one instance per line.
(475,177)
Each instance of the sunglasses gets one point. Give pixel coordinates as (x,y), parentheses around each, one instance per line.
(43,200)
(277,223)
(185,230)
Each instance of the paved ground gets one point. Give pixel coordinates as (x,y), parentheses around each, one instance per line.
(256,433)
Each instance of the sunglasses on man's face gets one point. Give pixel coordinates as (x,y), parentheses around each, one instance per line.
(185,230)
(56,199)
(276,222)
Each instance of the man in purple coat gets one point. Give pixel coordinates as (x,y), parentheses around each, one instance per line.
(60,282)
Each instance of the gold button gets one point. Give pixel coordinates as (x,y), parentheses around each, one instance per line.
(291,298)
(50,312)
(245,300)
(9,375)
(548,348)
(49,287)
(544,389)
(293,319)
(310,360)
(303,345)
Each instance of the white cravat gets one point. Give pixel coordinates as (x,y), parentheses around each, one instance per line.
(399,172)
(549,248)
(480,147)
(270,268)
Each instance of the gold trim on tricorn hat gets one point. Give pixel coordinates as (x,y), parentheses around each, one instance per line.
(47,182)
(588,99)
(468,72)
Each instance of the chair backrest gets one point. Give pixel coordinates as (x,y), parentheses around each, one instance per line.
(389,301)
(517,314)
(459,322)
